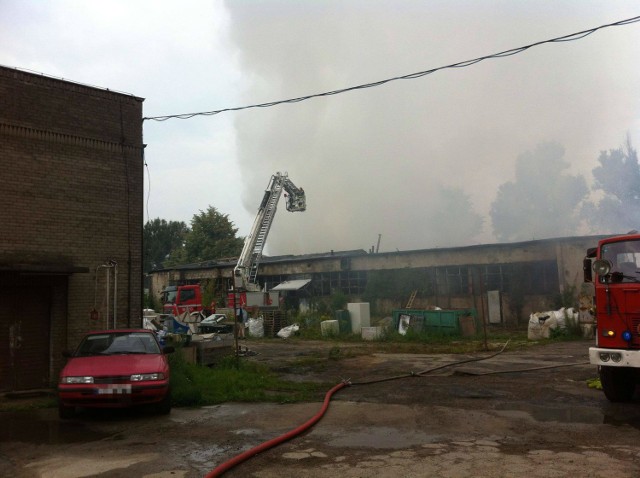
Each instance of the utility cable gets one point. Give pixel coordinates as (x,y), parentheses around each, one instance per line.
(411,76)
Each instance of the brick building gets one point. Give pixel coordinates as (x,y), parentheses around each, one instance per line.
(71,235)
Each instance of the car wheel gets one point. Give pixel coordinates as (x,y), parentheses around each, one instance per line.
(65,412)
(164,407)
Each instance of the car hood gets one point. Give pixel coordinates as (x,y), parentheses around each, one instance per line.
(103,365)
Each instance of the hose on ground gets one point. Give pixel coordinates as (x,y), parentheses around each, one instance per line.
(428,371)
(222,468)
(226,466)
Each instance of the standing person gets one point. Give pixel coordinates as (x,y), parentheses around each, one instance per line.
(241,319)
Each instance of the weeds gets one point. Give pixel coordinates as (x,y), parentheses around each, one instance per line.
(594,383)
(28,404)
(232,380)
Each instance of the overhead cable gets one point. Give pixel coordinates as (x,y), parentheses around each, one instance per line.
(411,76)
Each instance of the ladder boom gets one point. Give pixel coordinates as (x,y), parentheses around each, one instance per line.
(246,271)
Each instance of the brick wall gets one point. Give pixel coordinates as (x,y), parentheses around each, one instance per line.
(72,193)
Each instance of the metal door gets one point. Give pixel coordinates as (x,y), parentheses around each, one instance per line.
(25,325)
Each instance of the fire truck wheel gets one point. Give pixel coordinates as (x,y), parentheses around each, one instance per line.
(618,383)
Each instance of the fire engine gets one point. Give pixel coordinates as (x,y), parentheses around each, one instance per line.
(182,298)
(245,272)
(617,304)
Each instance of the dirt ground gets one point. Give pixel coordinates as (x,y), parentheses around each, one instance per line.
(469,420)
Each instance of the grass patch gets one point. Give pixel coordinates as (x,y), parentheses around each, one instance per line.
(232,380)
(22,404)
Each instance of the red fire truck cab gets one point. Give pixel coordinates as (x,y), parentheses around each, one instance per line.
(183,298)
(615,263)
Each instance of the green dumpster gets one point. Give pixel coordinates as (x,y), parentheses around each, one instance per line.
(344,321)
(437,322)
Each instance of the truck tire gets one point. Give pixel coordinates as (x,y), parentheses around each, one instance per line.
(618,383)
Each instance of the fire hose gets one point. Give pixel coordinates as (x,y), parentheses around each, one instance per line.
(226,466)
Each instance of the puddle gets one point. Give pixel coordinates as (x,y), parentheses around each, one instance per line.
(623,414)
(571,414)
(380,437)
(28,427)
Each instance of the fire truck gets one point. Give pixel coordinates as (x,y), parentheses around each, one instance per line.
(182,298)
(246,287)
(617,302)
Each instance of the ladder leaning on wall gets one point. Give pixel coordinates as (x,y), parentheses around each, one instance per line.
(410,301)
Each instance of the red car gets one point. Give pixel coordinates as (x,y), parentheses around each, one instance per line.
(116,368)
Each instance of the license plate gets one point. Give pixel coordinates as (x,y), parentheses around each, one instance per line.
(115,390)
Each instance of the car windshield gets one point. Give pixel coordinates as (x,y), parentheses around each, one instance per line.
(111,343)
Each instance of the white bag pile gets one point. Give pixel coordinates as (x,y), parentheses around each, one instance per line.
(541,323)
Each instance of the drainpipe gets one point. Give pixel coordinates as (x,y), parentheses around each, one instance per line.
(110,264)
(114,264)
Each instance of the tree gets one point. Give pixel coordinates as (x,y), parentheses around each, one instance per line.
(160,238)
(542,201)
(618,178)
(453,217)
(212,236)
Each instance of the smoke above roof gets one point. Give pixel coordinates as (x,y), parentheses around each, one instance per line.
(419,161)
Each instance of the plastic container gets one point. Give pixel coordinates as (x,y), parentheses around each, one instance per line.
(329,327)
(371,333)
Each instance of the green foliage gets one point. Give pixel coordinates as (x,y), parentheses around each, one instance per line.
(453,212)
(160,238)
(567,298)
(310,326)
(149,301)
(28,404)
(232,379)
(594,383)
(339,300)
(211,236)
(209,294)
(542,201)
(571,330)
(618,178)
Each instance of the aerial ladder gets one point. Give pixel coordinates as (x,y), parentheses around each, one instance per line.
(246,271)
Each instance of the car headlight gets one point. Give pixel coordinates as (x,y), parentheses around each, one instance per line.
(143,377)
(77,380)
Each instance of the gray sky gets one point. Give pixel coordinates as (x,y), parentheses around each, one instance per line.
(371,161)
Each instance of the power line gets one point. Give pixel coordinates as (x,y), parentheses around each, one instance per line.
(411,76)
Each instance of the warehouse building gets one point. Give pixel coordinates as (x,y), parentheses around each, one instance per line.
(503,282)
